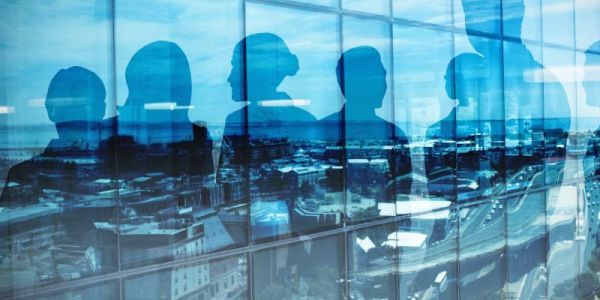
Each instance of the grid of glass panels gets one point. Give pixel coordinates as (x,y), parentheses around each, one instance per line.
(275,149)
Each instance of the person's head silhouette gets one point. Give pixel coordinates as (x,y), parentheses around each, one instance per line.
(465,77)
(361,76)
(159,81)
(75,95)
(260,62)
(591,80)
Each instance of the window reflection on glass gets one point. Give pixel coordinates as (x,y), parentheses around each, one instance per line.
(482,257)
(480,16)
(381,7)
(428,252)
(373,263)
(288,79)
(435,12)
(439,150)
(55,86)
(421,100)
(224,278)
(526,254)
(308,269)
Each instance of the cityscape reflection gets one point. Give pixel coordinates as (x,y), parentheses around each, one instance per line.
(275,149)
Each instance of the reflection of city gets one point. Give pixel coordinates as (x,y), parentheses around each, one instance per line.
(329,149)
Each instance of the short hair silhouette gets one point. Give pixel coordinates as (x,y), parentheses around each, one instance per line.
(75,94)
(159,72)
(361,76)
(465,74)
(263,60)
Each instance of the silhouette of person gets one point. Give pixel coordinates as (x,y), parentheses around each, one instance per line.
(263,130)
(260,62)
(156,112)
(534,101)
(467,82)
(362,79)
(75,103)
(361,76)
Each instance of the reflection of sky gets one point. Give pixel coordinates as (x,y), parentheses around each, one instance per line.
(431,11)
(420,59)
(381,7)
(39,38)
(313,38)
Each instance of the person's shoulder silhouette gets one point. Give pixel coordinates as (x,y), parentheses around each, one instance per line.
(75,103)
(260,62)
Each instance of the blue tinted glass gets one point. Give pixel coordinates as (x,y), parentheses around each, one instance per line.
(424,109)
(435,12)
(316,265)
(381,7)
(171,206)
(295,149)
(56,89)
(333,3)
(224,278)
(289,63)
(428,247)
(479,16)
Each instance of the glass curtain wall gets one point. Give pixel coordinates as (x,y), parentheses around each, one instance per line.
(298,149)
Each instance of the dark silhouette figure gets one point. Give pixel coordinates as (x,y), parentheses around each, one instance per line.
(536,107)
(154,130)
(456,167)
(75,103)
(263,131)
(361,76)
(260,62)
(362,79)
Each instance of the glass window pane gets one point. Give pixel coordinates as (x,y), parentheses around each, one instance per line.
(224,278)
(311,268)
(108,290)
(429,254)
(477,90)
(381,7)
(482,249)
(372,263)
(422,104)
(435,12)
(290,62)
(587,24)
(527,242)
(333,3)
(174,97)
(55,92)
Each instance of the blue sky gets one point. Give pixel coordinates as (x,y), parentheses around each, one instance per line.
(41,37)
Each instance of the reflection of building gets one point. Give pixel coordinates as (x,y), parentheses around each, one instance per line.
(155,242)
(219,279)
